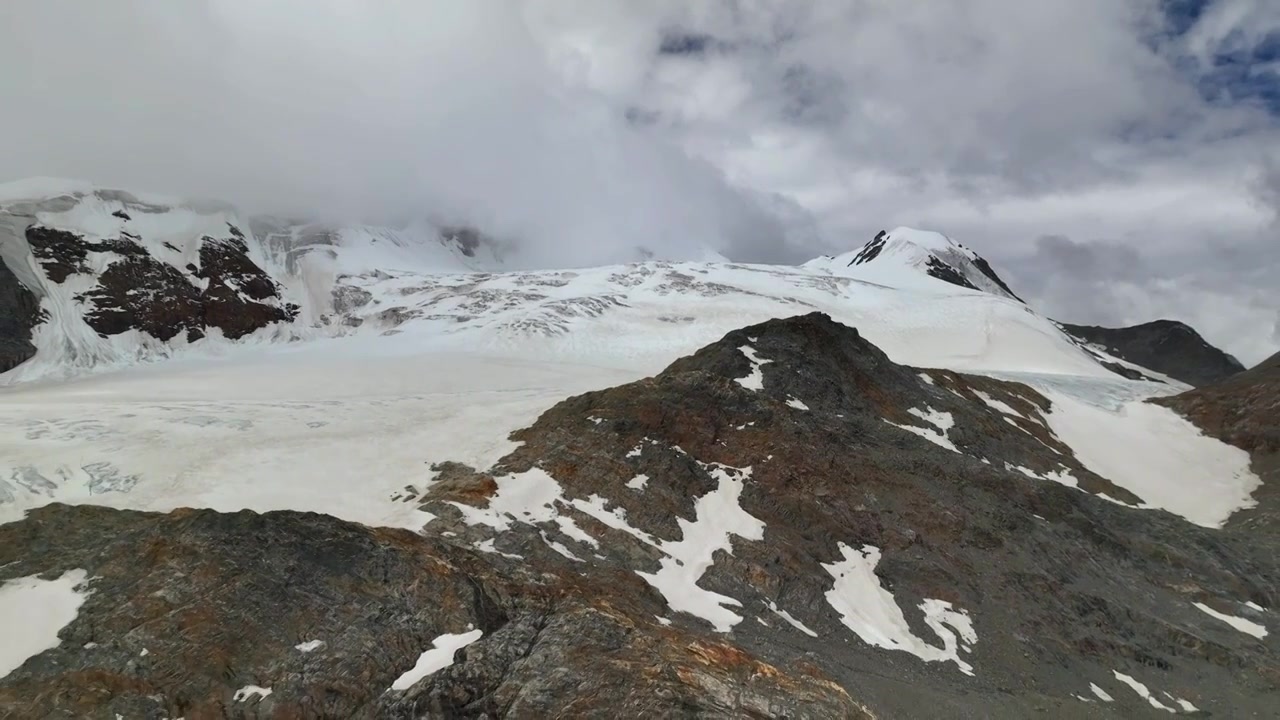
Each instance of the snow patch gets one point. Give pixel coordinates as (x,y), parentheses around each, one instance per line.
(638,482)
(1061,476)
(796,403)
(527,497)
(719,517)
(35,611)
(1142,691)
(487,546)
(249,692)
(870,611)
(308,646)
(791,620)
(1100,693)
(998,405)
(754,381)
(439,657)
(1248,627)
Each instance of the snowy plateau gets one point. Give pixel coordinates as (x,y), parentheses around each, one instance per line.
(874,485)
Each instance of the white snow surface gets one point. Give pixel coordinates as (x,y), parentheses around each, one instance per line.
(439,657)
(904,259)
(309,646)
(334,427)
(1245,626)
(34,611)
(871,611)
(1142,691)
(1157,455)
(1100,693)
(251,691)
(755,380)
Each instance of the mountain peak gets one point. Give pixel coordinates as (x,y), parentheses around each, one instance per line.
(905,256)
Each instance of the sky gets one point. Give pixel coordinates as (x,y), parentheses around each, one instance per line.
(1116,161)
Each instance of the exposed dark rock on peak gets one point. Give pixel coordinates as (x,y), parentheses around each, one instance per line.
(985,268)
(137,291)
(19,314)
(871,249)
(121,214)
(1166,346)
(938,269)
(60,253)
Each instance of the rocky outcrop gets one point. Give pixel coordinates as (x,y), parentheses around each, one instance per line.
(1165,346)
(1244,410)
(948,481)
(784,524)
(186,609)
(138,291)
(19,314)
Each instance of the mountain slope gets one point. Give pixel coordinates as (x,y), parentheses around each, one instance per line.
(1165,346)
(118,278)
(785,523)
(908,256)
(1242,410)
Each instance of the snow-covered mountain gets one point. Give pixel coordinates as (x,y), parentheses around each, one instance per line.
(905,257)
(758,490)
(120,278)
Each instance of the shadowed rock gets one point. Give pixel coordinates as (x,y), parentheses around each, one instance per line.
(1165,346)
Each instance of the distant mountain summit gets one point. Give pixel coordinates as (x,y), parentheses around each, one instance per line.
(1168,347)
(92,278)
(904,253)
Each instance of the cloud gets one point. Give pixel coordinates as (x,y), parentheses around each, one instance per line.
(377,110)
(770,130)
(1228,296)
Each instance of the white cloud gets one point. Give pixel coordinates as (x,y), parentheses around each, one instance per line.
(781,129)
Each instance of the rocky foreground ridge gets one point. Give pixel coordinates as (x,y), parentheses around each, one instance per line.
(784,524)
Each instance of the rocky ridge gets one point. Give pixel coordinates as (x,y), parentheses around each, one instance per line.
(1168,347)
(784,524)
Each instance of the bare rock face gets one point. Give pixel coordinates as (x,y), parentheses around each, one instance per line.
(138,291)
(19,314)
(785,524)
(1165,346)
